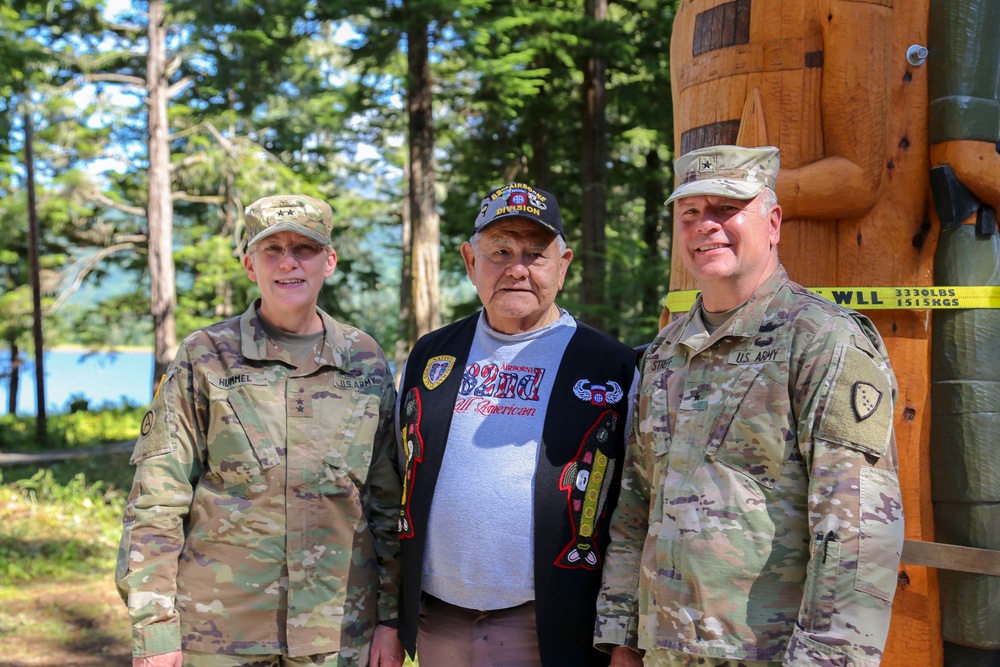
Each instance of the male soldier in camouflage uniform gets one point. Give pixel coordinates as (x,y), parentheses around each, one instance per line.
(261,526)
(760,517)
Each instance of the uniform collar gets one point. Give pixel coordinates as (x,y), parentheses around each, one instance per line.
(747,320)
(254,342)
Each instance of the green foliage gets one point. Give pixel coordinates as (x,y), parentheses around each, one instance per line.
(67,431)
(54,529)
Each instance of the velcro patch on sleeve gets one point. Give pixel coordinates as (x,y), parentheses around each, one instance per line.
(859,413)
(154,432)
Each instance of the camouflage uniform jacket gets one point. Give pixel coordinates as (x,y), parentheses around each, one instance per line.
(262,518)
(760,516)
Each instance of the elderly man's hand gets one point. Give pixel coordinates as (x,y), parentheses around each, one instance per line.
(172,659)
(623,656)
(387,650)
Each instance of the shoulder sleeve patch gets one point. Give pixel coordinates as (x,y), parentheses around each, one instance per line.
(859,413)
(154,433)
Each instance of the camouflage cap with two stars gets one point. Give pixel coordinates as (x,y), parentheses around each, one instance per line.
(308,216)
(725,171)
(520,200)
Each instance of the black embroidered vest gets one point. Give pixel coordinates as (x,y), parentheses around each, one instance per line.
(576,482)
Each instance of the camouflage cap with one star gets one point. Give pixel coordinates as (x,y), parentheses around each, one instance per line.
(725,171)
(308,216)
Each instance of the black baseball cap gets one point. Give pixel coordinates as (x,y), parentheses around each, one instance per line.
(520,200)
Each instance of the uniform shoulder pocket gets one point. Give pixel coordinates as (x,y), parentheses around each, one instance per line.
(155,431)
(859,410)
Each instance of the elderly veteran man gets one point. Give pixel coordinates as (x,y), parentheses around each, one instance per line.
(513,427)
(760,518)
(261,526)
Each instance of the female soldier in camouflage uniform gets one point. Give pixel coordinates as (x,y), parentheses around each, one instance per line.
(260,529)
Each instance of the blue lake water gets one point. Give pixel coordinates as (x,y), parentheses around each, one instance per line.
(100,378)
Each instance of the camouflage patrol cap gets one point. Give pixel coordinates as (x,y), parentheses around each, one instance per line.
(725,171)
(311,217)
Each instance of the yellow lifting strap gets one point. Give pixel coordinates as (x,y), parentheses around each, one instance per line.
(949,297)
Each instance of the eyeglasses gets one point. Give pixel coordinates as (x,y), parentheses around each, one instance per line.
(300,251)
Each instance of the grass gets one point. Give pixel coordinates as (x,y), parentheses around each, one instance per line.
(52,530)
(67,621)
(58,542)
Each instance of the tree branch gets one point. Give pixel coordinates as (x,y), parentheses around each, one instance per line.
(80,268)
(172,66)
(108,77)
(226,144)
(125,208)
(175,89)
(196,199)
(190,160)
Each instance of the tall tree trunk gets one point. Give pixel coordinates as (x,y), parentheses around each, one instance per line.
(34,245)
(594,171)
(407,322)
(426,253)
(163,295)
(15,377)
(653,286)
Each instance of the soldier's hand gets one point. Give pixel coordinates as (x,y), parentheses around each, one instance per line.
(387,650)
(172,659)
(623,656)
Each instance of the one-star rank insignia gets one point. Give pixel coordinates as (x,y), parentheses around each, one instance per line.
(437,370)
(865,400)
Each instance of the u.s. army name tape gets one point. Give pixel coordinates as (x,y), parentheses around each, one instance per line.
(881,298)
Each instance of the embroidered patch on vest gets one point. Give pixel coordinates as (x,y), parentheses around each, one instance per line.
(598,394)
(413,449)
(585,480)
(437,370)
(865,399)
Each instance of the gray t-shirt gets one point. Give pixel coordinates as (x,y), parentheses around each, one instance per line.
(480,530)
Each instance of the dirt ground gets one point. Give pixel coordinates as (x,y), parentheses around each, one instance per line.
(66,624)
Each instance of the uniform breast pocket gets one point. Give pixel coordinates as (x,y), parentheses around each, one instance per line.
(754,433)
(349,453)
(239,447)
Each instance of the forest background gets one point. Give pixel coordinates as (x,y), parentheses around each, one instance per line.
(155,122)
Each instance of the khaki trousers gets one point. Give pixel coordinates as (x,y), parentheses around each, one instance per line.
(450,636)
